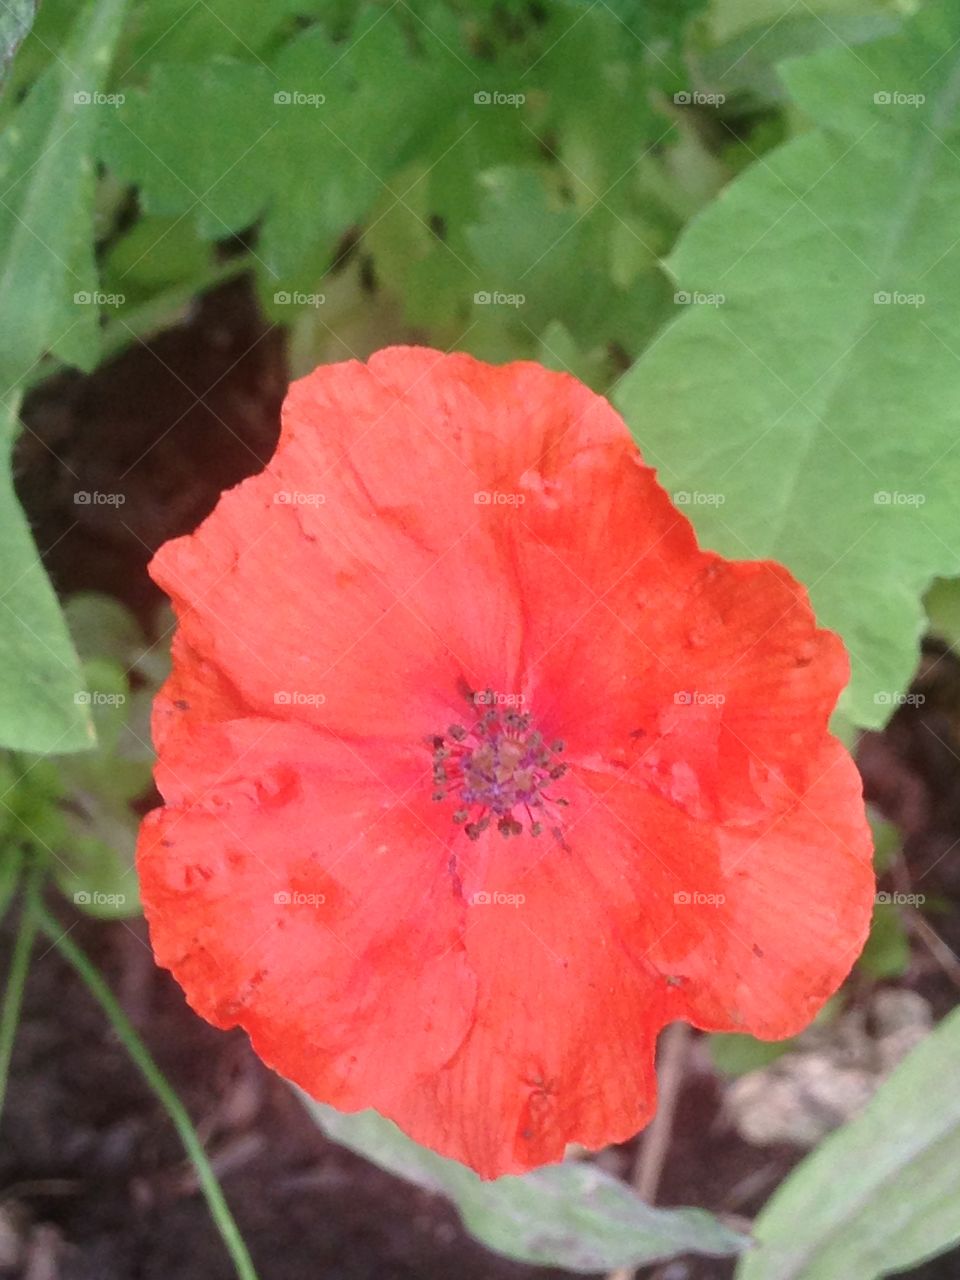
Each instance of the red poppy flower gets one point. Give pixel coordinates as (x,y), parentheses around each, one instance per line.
(478,771)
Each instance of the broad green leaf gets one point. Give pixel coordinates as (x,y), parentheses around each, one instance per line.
(41,704)
(570,1215)
(46,216)
(880,1194)
(730,17)
(747,62)
(808,394)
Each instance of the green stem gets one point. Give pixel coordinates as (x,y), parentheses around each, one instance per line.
(164,1092)
(16,981)
(11,873)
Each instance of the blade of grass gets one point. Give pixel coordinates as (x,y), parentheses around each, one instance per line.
(161,1087)
(16,981)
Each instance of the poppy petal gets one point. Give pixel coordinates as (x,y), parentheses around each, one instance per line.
(288,891)
(755,924)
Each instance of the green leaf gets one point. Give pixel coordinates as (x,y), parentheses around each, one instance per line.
(16,19)
(886,843)
(570,1215)
(94,863)
(102,628)
(879,1194)
(46,216)
(41,705)
(215,174)
(887,950)
(734,1054)
(748,61)
(306,141)
(806,396)
(942,604)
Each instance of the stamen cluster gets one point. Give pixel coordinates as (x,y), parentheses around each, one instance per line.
(495,769)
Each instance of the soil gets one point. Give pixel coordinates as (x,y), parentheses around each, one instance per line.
(93,1181)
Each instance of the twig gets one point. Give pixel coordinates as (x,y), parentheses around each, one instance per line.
(920,927)
(656,1140)
(941,952)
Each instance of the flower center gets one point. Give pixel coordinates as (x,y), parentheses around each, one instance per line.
(497,769)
